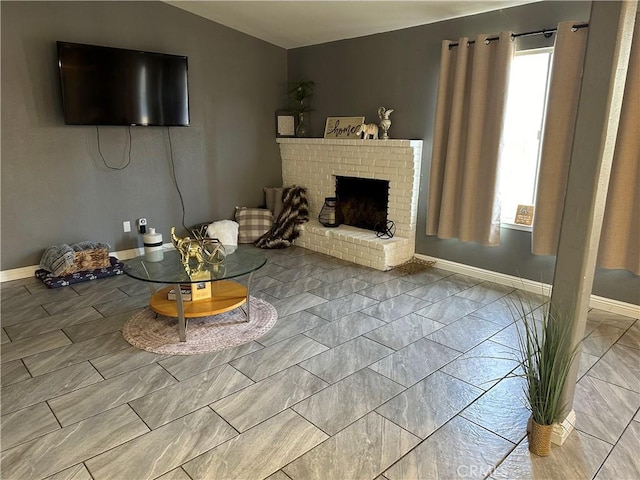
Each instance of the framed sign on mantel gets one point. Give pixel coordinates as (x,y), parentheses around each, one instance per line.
(342,127)
(286,124)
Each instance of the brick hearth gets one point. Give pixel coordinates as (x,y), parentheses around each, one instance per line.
(314,163)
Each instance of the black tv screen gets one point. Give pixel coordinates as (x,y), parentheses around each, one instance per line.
(114,86)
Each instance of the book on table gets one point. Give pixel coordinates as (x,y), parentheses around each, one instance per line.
(192,292)
(184,289)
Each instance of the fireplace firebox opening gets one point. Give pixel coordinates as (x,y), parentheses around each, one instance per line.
(362,202)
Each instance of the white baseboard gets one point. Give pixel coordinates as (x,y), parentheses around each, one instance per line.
(601,303)
(18,273)
(26,272)
(563,429)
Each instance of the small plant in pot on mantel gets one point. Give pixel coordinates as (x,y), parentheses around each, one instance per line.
(544,359)
(300,92)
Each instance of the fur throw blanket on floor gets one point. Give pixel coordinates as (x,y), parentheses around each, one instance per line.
(295,212)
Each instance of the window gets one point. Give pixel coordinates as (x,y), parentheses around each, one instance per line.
(524,120)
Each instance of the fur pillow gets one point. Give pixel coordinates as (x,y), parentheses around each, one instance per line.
(252,223)
(226,231)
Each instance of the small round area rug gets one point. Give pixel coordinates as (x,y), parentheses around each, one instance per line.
(159,334)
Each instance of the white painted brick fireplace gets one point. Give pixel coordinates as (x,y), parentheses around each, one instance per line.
(315,162)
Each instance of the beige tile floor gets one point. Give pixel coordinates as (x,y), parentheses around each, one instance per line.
(366,375)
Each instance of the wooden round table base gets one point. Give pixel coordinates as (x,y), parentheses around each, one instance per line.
(225,296)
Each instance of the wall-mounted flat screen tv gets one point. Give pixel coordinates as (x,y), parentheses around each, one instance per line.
(114,86)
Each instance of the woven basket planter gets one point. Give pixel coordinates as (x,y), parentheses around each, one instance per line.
(540,439)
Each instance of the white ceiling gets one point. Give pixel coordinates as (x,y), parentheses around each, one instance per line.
(291,24)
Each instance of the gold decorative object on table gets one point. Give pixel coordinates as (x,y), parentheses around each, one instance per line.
(188,249)
(212,250)
(203,249)
(201,289)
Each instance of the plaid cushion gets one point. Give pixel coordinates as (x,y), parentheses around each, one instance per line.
(252,223)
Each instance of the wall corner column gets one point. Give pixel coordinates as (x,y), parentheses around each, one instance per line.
(604,75)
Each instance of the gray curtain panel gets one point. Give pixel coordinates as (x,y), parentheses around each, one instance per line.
(620,237)
(463,192)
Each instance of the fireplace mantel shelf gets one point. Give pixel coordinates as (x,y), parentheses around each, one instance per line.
(354,142)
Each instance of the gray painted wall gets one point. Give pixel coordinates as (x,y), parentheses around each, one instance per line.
(400,70)
(55,188)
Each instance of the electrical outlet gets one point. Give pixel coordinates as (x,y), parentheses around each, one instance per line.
(126,226)
(141,223)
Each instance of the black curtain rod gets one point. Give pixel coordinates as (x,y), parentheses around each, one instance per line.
(547,32)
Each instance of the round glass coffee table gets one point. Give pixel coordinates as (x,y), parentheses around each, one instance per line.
(209,287)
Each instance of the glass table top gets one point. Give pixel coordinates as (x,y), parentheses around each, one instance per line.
(169,269)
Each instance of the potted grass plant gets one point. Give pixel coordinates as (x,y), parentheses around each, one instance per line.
(545,358)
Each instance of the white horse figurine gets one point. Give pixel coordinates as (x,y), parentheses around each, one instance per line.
(368,129)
